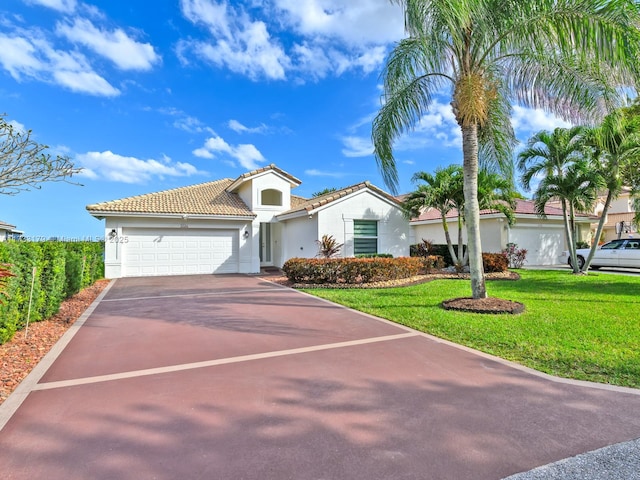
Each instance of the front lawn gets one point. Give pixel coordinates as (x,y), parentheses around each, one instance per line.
(582,327)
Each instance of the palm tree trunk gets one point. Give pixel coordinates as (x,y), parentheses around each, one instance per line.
(452,252)
(594,243)
(472,209)
(461,258)
(569,237)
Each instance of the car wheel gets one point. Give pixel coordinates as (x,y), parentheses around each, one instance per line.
(580,262)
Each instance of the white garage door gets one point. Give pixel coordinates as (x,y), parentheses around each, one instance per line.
(179,252)
(543,244)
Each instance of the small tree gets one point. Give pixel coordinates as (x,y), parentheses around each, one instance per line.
(24,163)
(328,247)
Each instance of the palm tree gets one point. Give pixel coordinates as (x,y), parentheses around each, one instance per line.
(443,192)
(550,154)
(567,56)
(616,144)
(577,186)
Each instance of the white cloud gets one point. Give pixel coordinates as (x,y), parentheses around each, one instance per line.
(357,146)
(247,155)
(357,22)
(528,120)
(18,57)
(238,127)
(319,173)
(311,38)
(239,44)
(85,82)
(118,168)
(27,54)
(117,46)
(64,6)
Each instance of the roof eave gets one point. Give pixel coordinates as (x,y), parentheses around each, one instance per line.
(100,214)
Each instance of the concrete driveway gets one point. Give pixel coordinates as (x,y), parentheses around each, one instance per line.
(233,377)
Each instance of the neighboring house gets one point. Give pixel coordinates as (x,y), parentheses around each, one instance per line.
(241,225)
(619,221)
(543,238)
(9,232)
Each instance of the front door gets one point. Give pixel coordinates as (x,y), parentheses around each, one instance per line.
(265,245)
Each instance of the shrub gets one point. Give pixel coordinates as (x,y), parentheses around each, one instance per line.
(515,257)
(581,244)
(61,269)
(442,250)
(432,263)
(350,270)
(374,255)
(495,262)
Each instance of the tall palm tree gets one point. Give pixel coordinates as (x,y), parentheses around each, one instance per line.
(567,56)
(550,154)
(577,186)
(616,145)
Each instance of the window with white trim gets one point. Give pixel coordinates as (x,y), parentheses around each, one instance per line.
(365,237)
(271,196)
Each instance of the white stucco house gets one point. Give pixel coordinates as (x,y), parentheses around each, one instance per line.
(9,232)
(241,225)
(543,238)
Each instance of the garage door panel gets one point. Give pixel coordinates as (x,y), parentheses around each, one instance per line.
(170,252)
(543,244)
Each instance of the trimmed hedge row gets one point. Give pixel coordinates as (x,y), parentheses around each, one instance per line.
(62,270)
(420,250)
(356,270)
(493,262)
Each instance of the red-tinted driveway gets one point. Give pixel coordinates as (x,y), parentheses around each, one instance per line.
(232,377)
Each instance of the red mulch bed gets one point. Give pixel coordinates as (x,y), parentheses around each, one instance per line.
(20,354)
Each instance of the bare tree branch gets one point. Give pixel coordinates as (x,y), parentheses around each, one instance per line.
(24,163)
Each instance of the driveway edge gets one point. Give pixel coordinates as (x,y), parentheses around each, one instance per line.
(11,404)
(488,356)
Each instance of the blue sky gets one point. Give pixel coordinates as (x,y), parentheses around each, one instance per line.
(148,96)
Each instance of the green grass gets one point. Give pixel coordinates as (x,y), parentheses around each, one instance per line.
(582,327)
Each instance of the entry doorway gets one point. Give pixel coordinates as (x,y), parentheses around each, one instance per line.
(266,259)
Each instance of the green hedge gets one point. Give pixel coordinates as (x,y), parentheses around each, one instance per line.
(62,270)
(419,250)
(351,270)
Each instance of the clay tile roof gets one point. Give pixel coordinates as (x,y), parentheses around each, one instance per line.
(317,202)
(209,198)
(272,167)
(523,207)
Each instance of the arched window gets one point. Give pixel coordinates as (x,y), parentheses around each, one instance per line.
(271,197)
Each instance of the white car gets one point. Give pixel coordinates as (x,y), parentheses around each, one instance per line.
(624,252)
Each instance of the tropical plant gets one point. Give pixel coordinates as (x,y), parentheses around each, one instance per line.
(566,56)
(577,187)
(328,247)
(549,154)
(444,192)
